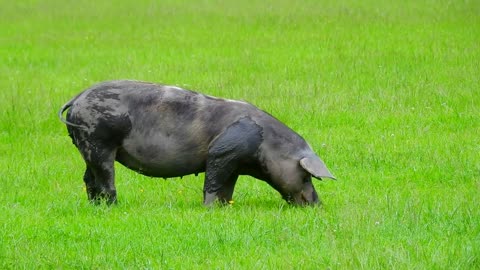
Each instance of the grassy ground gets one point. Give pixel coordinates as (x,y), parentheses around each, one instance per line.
(387,93)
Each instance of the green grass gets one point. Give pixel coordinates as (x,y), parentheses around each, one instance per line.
(387,93)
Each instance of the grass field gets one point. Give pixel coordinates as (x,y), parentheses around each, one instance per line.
(386,93)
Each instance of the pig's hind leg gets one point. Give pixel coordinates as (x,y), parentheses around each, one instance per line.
(99,156)
(100,174)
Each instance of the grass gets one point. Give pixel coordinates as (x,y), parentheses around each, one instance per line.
(387,93)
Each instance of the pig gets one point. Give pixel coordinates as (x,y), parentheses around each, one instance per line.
(166,131)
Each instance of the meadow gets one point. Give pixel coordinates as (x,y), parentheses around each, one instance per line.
(386,92)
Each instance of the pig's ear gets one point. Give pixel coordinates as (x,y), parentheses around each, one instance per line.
(315,166)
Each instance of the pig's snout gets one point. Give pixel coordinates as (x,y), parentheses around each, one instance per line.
(307,196)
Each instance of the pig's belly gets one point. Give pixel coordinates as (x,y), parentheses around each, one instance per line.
(163,160)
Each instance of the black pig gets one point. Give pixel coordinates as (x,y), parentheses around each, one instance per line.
(166,131)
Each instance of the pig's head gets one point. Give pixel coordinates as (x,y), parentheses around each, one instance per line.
(295,182)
